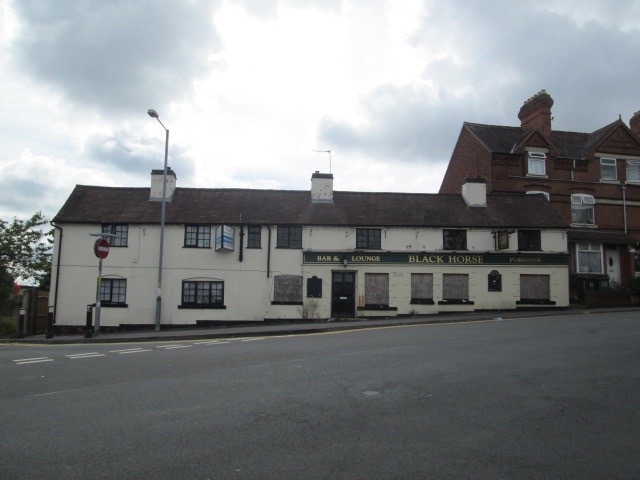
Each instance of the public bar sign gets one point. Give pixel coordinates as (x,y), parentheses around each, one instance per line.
(435,258)
(225,238)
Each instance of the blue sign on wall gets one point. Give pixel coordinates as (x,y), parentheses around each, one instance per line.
(225,238)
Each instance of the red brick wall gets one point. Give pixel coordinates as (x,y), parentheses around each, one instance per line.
(469,159)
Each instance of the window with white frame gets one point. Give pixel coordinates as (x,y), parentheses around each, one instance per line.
(582,209)
(536,163)
(608,171)
(588,257)
(633,171)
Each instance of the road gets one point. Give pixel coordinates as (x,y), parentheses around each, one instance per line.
(537,398)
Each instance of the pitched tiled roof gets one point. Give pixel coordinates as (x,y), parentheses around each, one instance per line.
(90,204)
(500,139)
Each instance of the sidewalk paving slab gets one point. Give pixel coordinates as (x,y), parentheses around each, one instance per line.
(256,329)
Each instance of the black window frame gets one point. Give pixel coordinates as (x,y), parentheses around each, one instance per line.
(529,240)
(121,232)
(108,290)
(254,236)
(289,236)
(369,238)
(205,235)
(454,239)
(191,289)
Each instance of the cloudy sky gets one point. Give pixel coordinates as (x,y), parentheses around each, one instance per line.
(250,88)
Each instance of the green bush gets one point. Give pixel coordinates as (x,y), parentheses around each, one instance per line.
(8,327)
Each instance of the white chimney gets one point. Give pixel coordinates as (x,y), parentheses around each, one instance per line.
(321,187)
(474,192)
(155,194)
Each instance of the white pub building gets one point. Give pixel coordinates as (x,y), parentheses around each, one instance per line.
(233,255)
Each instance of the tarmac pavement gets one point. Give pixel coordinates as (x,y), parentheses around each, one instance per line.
(257,329)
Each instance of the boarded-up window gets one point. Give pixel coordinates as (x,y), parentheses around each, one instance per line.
(534,287)
(376,288)
(455,286)
(287,289)
(421,288)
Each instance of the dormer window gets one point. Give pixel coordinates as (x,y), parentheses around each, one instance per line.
(536,163)
(608,171)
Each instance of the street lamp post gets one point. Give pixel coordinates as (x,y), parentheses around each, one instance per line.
(153,114)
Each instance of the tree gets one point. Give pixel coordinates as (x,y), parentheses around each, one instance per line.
(25,250)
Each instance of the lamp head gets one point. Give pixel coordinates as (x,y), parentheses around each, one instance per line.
(152,113)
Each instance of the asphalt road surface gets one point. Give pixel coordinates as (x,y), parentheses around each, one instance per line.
(536,398)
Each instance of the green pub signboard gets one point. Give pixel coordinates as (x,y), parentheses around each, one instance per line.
(435,258)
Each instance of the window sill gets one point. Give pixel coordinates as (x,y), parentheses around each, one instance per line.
(533,301)
(422,301)
(456,302)
(378,308)
(537,175)
(275,302)
(114,305)
(202,307)
(197,248)
(611,182)
(583,225)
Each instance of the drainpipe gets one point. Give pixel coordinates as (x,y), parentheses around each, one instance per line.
(241,242)
(55,297)
(624,205)
(269,252)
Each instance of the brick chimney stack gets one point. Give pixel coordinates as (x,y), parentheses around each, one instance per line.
(536,113)
(634,125)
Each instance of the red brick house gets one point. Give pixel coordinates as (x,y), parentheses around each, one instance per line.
(592,179)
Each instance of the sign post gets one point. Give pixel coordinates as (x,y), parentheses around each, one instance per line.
(101,249)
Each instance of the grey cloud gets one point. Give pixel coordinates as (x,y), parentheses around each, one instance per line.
(136,157)
(120,54)
(504,53)
(22,198)
(270,8)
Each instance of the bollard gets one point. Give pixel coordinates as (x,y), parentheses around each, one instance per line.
(21,323)
(49,333)
(88,333)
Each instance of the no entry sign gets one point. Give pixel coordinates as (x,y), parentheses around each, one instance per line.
(101,248)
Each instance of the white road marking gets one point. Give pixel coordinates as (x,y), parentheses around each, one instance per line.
(126,350)
(26,361)
(172,347)
(134,350)
(251,339)
(211,342)
(78,356)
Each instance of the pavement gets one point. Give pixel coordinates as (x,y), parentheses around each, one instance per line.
(302,327)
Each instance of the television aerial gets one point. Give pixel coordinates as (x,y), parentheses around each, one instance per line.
(325,151)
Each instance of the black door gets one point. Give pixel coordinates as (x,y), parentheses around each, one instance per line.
(343,290)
